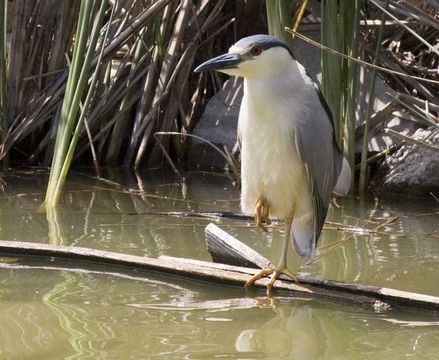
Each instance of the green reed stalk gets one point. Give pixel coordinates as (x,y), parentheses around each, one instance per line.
(340,31)
(121,125)
(331,64)
(76,84)
(4,108)
(90,53)
(64,127)
(278,17)
(352,42)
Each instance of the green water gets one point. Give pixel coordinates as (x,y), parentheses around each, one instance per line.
(79,314)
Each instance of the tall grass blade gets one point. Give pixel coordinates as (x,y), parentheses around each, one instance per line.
(121,125)
(4,109)
(331,64)
(76,84)
(340,31)
(351,83)
(81,120)
(278,17)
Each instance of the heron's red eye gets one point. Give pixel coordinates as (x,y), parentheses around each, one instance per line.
(256,50)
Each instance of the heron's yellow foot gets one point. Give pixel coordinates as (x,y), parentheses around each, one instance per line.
(262,213)
(268,271)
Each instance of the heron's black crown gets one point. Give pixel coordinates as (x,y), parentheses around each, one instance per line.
(264,41)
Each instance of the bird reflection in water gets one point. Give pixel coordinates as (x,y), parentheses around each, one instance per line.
(293,332)
(311,329)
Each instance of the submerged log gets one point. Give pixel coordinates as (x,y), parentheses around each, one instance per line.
(33,255)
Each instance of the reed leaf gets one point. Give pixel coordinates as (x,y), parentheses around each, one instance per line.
(278,17)
(122,121)
(76,85)
(340,31)
(4,112)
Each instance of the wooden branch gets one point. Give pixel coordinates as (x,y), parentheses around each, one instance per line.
(233,252)
(226,248)
(71,258)
(298,290)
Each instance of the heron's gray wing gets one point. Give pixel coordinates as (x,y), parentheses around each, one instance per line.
(343,183)
(317,148)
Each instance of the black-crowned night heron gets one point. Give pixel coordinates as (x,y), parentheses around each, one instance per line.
(290,160)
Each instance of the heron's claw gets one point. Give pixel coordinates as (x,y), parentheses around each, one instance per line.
(257,276)
(268,271)
(262,213)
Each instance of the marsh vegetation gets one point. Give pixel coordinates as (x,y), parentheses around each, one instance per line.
(102,82)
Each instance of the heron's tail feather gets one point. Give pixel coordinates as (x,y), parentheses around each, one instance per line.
(304,237)
(344,179)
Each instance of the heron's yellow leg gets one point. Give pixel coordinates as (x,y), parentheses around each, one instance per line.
(280,269)
(262,213)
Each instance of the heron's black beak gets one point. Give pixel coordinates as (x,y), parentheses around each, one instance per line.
(225,61)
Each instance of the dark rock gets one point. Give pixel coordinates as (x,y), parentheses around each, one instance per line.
(413,169)
(218,125)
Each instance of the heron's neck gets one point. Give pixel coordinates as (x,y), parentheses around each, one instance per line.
(267,87)
(265,106)
(279,83)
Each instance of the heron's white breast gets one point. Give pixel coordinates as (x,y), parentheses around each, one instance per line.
(270,165)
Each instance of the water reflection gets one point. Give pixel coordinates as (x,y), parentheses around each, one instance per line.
(54,314)
(292,333)
(401,254)
(77,314)
(80,329)
(321,331)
